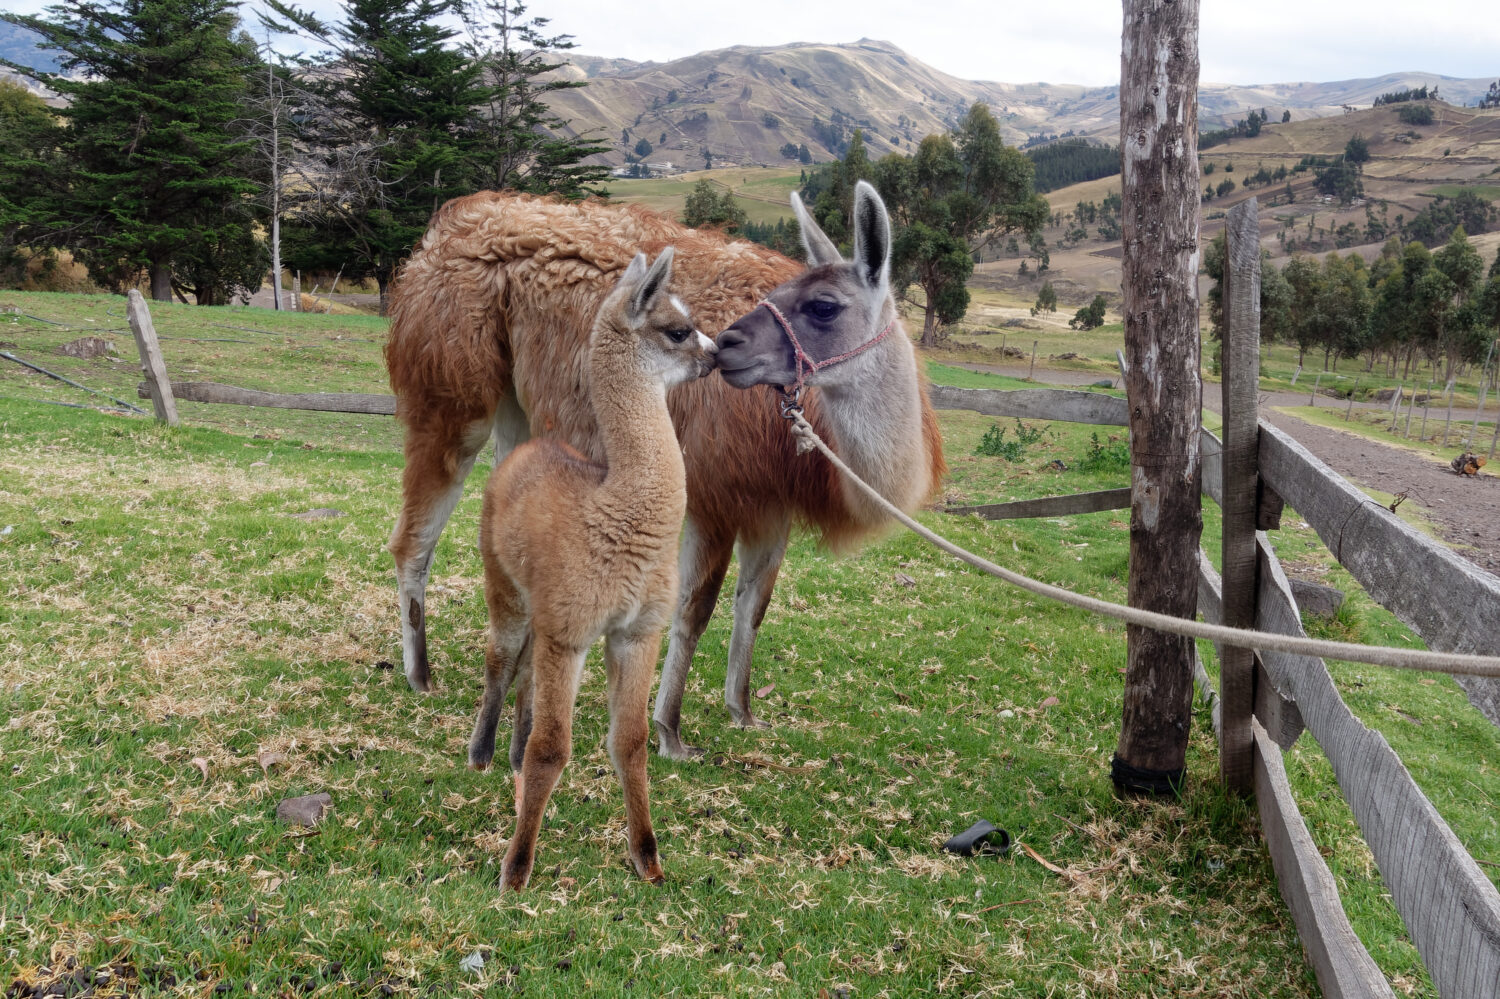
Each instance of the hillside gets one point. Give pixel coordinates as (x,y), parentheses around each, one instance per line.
(744,104)
(1409,168)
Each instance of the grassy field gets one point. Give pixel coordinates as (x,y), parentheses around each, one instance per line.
(763,192)
(1490,192)
(183,650)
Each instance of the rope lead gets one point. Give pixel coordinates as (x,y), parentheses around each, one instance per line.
(1376,655)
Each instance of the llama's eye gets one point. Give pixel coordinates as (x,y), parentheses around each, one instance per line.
(822,309)
(679,335)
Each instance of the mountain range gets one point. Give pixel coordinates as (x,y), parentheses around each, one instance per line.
(745,104)
(761,105)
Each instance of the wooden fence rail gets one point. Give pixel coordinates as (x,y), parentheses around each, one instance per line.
(323,402)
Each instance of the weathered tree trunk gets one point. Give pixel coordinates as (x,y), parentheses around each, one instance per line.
(161,281)
(383,282)
(929,324)
(1159,164)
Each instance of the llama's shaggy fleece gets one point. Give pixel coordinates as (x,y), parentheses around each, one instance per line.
(505,287)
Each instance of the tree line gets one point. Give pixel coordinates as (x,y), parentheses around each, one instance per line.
(1071,161)
(191,154)
(1410,303)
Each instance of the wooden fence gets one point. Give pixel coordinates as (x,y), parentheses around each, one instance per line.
(1451,910)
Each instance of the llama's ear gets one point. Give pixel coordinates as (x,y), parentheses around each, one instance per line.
(818,247)
(652,284)
(636,270)
(872,236)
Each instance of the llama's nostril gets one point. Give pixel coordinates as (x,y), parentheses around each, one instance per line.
(731,338)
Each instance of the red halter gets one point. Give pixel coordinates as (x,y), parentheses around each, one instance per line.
(806,366)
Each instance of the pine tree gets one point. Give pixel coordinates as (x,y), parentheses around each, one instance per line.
(29,166)
(393,99)
(515,138)
(156,178)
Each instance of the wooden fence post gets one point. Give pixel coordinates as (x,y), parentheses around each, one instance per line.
(1032,372)
(1241,439)
(152,365)
(1163,381)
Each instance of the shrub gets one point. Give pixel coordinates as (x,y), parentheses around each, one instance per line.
(1415,114)
(1104,456)
(994,445)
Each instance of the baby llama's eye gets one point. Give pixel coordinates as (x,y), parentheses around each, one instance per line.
(823,310)
(679,335)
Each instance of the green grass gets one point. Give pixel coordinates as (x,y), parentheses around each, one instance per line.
(165,614)
(252,348)
(1490,192)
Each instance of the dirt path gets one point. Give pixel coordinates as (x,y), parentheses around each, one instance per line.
(1464,509)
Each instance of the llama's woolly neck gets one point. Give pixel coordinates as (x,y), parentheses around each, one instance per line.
(644,466)
(876,422)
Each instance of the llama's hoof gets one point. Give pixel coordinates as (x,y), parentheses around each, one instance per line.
(748,720)
(481,756)
(670,745)
(514,876)
(420,679)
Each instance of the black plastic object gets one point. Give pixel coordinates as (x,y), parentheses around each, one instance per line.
(981,837)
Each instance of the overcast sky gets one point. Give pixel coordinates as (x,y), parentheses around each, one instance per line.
(1269,41)
(1078,41)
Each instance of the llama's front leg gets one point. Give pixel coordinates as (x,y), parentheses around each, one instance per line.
(760,561)
(629,662)
(439,457)
(555,672)
(702,561)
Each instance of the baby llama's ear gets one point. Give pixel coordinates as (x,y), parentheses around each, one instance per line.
(652,285)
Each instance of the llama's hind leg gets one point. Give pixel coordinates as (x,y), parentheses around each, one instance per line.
(629,662)
(760,561)
(507,650)
(554,675)
(439,456)
(701,563)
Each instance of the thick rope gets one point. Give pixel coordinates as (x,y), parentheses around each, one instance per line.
(1415,659)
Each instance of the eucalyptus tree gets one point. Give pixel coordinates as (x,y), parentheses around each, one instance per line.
(959,193)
